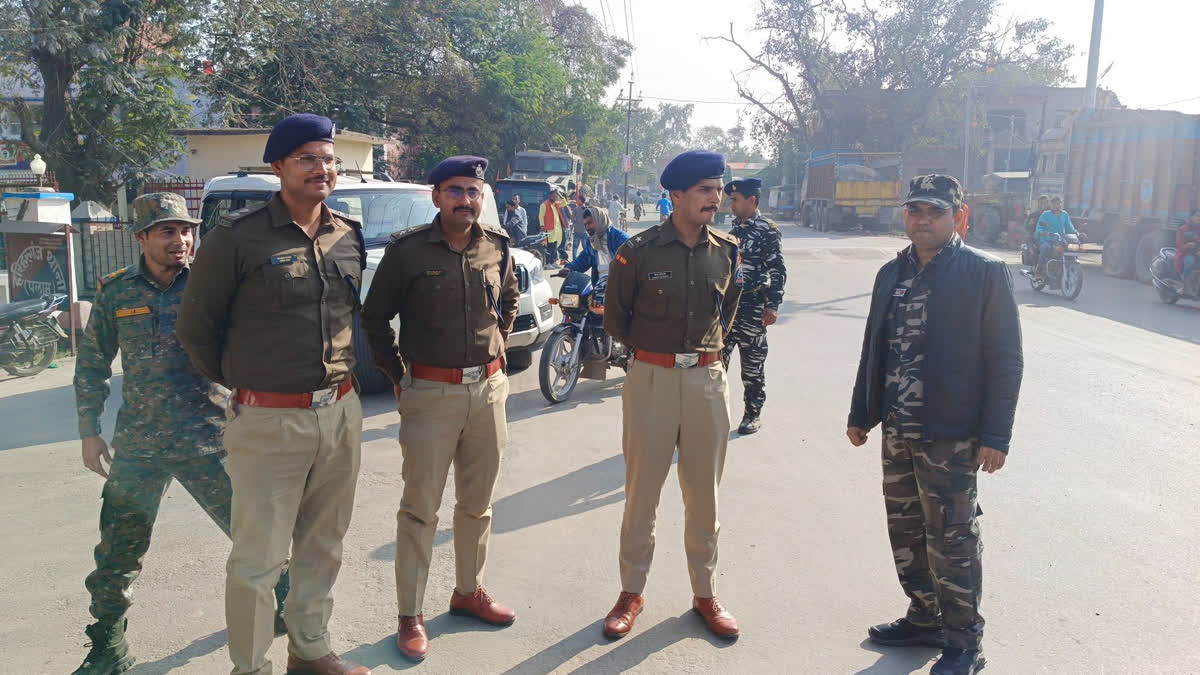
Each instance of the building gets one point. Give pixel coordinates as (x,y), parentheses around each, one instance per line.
(216,152)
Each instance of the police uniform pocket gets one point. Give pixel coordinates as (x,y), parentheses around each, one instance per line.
(654,302)
(288,281)
(439,297)
(351,275)
(135,332)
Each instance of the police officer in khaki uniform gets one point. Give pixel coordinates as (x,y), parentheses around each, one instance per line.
(269,313)
(672,294)
(453,284)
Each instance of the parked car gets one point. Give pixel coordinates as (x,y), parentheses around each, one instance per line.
(386,207)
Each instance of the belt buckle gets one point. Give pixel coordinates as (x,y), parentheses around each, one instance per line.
(323,397)
(687,360)
(472,375)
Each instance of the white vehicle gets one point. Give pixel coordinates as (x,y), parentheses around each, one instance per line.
(386,207)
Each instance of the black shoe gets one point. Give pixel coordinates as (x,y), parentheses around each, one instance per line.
(957,661)
(281,592)
(904,633)
(750,424)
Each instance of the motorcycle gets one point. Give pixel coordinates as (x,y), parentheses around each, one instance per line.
(579,346)
(1063,271)
(535,244)
(29,334)
(1166,280)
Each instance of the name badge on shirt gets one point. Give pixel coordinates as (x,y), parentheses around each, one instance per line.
(434,273)
(658,276)
(899,292)
(133,311)
(284,259)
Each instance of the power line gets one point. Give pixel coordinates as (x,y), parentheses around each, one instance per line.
(1182,100)
(694,100)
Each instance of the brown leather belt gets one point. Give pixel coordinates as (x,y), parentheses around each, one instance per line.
(309,399)
(694,360)
(421,371)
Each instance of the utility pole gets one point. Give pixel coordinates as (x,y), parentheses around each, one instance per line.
(1094,55)
(968,116)
(627,161)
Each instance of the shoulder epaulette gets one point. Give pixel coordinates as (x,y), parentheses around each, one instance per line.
(232,217)
(113,275)
(724,236)
(639,240)
(406,233)
(492,230)
(345,216)
(770,223)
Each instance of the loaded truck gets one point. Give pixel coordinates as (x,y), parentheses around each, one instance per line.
(534,173)
(842,190)
(1131,179)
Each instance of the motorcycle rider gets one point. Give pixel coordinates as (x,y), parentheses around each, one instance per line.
(1052,226)
(513,224)
(1187,245)
(599,248)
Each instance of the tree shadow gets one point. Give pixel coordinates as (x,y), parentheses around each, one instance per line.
(200,647)
(894,660)
(384,652)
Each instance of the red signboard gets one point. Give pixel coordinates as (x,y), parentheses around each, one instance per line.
(37,265)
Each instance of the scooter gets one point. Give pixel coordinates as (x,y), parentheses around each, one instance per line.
(29,334)
(1167,283)
(579,346)
(1063,271)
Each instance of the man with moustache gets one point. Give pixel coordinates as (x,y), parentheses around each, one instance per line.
(941,370)
(169,426)
(672,295)
(270,314)
(453,284)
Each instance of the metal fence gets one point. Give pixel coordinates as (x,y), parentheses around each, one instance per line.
(106,248)
(192,190)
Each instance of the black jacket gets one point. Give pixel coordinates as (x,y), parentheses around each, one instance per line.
(973,362)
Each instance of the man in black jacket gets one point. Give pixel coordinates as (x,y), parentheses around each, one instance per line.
(941,370)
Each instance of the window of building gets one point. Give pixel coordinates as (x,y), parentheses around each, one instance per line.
(1060,163)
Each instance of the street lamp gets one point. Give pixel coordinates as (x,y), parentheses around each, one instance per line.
(38,166)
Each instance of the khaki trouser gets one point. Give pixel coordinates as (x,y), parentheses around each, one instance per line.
(294,472)
(665,409)
(440,424)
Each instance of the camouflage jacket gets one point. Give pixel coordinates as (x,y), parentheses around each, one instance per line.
(170,410)
(763,272)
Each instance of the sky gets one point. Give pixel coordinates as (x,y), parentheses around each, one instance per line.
(1151,45)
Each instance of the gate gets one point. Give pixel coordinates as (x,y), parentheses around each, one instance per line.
(192,190)
(107,247)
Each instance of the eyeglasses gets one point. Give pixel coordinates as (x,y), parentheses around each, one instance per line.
(308,162)
(456,192)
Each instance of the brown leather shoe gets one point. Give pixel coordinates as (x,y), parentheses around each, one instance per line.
(620,619)
(411,638)
(330,664)
(718,619)
(481,606)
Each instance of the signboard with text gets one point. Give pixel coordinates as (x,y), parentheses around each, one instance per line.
(37,265)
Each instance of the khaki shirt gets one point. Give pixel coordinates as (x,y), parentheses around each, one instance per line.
(665,297)
(267,307)
(456,308)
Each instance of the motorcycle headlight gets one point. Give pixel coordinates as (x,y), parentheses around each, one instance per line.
(536,275)
(569,300)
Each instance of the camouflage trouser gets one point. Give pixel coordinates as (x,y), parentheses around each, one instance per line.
(749,333)
(930,493)
(131,496)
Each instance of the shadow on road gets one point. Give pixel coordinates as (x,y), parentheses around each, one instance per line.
(553,657)
(894,660)
(588,392)
(640,646)
(48,416)
(831,307)
(386,653)
(581,490)
(200,647)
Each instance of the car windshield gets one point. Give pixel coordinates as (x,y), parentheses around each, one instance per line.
(561,165)
(383,212)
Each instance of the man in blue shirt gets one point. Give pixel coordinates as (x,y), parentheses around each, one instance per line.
(1052,226)
(664,207)
(600,247)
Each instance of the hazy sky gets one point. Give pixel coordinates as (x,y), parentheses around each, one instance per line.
(1151,44)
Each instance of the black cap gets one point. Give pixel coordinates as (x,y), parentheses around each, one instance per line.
(944,192)
(467,166)
(293,132)
(748,187)
(691,167)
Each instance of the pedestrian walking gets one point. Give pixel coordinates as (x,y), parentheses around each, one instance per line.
(764,277)
(554,224)
(941,370)
(453,284)
(664,207)
(269,313)
(614,211)
(672,292)
(579,231)
(169,426)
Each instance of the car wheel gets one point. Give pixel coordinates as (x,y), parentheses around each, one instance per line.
(371,379)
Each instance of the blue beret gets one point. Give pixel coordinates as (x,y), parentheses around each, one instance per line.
(751,187)
(462,165)
(294,131)
(691,167)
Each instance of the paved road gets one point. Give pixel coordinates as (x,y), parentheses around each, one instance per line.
(1091,529)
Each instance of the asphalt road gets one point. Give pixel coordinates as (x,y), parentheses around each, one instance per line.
(1091,530)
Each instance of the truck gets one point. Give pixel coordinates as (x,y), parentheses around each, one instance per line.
(1131,178)
(534,173)
(842,190)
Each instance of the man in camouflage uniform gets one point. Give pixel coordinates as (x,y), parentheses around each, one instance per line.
(941,370)
(763,278)
(169,425)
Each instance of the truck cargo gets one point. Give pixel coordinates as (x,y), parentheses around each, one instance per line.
(842,190)
(1131,179)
